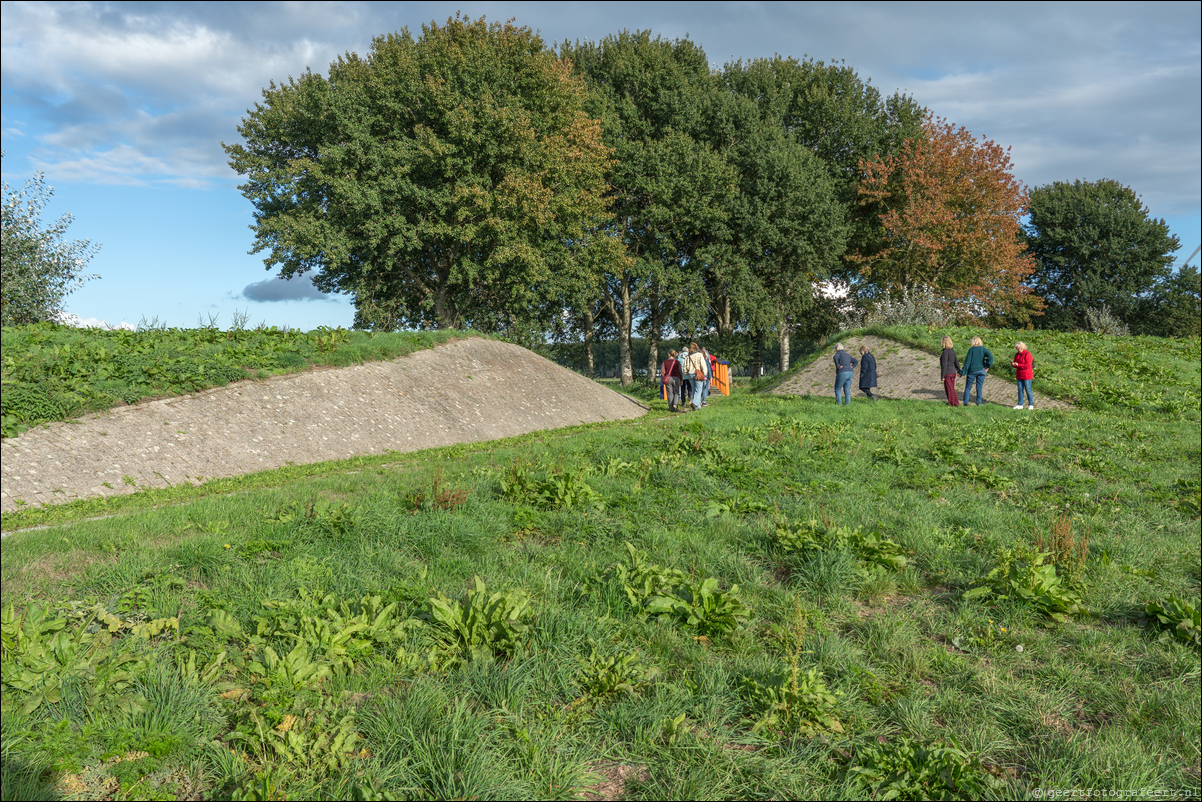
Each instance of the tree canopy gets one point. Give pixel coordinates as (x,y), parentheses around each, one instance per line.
(950,208)
(1095,245)
(438,179)
(40,267)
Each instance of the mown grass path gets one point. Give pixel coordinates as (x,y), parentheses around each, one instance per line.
(467,391)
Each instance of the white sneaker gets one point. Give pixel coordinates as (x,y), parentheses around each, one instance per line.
(1031,408)
(1020,406)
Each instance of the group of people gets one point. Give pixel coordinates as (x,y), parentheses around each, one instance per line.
(844,368)
(686,376)
(977,363)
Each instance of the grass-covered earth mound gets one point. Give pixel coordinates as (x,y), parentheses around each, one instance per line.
(53,372)
(775,597)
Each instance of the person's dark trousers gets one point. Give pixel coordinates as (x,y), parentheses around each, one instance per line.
(868,392)
(673,385)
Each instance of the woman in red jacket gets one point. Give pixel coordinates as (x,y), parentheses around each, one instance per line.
(1024,372)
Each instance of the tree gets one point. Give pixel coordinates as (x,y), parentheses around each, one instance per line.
(669,188)
(437,180)
(39,266)
(950,210)
(1173,308)
(1095,244)
(829,110)
(787,229)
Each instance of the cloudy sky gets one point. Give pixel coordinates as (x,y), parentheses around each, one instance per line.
(124,107)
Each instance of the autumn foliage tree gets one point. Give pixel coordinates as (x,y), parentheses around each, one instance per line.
(950,211)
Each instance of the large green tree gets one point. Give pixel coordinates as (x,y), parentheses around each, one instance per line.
(438,180)
(786,227)
(830,110)
(1095,244)
(669,188)
(40,267)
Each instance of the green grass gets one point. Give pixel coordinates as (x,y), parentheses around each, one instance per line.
(1148,376)
(838,672)
(52,372)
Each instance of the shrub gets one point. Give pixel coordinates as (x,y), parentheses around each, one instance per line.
(1176,619)
(906,769)
(791,703)
(1034,580)
(917,306)
(1103,321)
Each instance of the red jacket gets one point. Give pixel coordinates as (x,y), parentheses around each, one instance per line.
(1024,365)
(670,368)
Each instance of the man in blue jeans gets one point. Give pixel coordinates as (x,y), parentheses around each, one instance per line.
(844,362)
(977,363)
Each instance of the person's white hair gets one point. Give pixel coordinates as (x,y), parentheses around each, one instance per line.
(838,346)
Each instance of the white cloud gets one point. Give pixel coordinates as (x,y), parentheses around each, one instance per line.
(1078,90)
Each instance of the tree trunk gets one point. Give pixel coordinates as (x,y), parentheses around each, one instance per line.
(653,332)
(624,334)
(784,343)
(722,315)
(590,368)
(619,312)
(757,356)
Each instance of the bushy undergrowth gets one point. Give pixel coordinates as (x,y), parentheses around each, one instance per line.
(52,372)
(771,598)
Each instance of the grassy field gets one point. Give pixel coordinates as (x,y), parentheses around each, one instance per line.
(1156,376)
(52,372)
(776,597)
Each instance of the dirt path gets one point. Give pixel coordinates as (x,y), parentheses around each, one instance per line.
(463,392)
(903,372)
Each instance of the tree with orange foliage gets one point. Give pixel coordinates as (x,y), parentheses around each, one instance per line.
(949,208)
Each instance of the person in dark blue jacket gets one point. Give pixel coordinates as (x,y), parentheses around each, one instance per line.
(867,372)
(844,362)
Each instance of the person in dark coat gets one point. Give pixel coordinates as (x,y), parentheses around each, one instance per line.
(867,372)
(949,369)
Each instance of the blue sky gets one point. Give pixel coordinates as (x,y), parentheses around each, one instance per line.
(124,107)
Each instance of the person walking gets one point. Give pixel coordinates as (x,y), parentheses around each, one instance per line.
(1024,372)
(709,375)
(867,372)
(672,376)
(949,369)
(844,362)
(694,367)
(686,384)
(977,363)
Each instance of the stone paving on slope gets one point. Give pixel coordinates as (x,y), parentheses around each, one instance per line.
(467,391)
(907,373)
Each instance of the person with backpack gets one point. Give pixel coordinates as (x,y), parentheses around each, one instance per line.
(844,363)
(1024,373)
(671,372)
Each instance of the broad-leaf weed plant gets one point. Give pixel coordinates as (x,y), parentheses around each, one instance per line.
(772,598)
